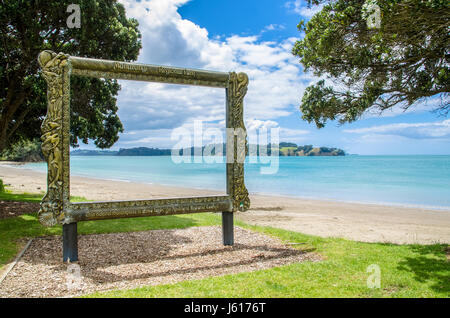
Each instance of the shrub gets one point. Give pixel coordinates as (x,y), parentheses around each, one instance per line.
(24,151)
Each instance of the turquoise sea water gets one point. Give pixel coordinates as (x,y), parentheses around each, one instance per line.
(397,180)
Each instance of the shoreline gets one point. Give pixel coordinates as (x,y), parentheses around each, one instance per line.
(15,165)
(326,218)
(382,204)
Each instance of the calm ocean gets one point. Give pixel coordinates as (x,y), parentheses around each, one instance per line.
(395,180)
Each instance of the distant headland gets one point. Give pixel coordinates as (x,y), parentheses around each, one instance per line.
(285,149)
(291,149)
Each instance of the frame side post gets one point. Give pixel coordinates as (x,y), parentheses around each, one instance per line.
(227,228)
(70,242)
(236,141)
(227,217)
(56,71)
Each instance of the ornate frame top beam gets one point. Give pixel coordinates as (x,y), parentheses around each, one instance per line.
(146,72)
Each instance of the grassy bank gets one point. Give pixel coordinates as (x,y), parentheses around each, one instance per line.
(406,270)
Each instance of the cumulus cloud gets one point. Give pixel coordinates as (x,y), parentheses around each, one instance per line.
(155,105)
(276,79)
(261,131)
(273,27)
(301,7)
(423,105)
(428,130)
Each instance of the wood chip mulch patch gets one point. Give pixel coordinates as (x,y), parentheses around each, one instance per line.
(10,209)
(130,260)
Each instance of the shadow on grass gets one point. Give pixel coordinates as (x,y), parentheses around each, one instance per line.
(24,226)
(32,197)
(141,224)
(430,265)
(21,197)
(13,230)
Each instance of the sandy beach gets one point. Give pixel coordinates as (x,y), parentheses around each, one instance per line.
(361,222)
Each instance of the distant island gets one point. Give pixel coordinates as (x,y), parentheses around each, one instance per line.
(291,149)
(285,149)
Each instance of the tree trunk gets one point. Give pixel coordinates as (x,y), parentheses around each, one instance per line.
(9,108)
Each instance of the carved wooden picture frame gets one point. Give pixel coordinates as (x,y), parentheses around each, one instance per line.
(56,207)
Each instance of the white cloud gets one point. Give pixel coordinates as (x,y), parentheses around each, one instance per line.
(255,124)
(273,27)
(301,7)
(276,80)
(168,39)
(264,129)
(421,106)
(430,130)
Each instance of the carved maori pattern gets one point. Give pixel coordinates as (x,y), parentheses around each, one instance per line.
(237,90)
(148,78)
(149,73)
(53,66)
(121,209)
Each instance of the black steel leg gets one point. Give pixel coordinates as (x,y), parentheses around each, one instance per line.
(227,228)
(70,242)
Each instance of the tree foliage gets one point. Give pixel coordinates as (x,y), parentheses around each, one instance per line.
(24,150)
(28,27)
(403,62)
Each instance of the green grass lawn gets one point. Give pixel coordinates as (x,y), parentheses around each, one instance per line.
(30,197)
(23,197)
(406,270)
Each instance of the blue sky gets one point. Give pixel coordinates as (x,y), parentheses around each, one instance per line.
(255,37)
